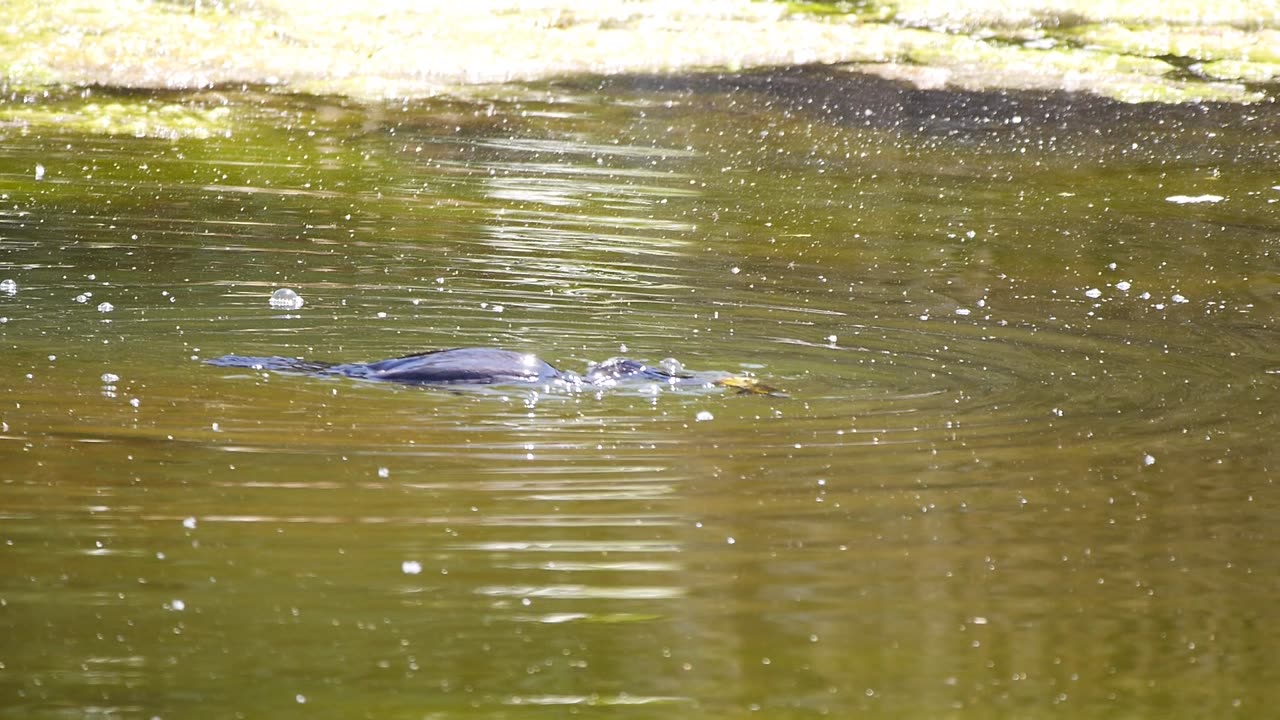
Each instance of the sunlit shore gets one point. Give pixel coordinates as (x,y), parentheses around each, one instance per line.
(1136,51)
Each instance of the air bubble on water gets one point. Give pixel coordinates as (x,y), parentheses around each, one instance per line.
(1093,293)
(671,365)
(110,378)
(9,286)
(135,402)
(1179,299)
(1148,460)
(384,472)
(105,307)
(189,523)
(83,297)
(962,311)
(704,415)
(286,299)
(52,358)
(39,171)
(1123,286)
(832,338)
(176,605)
(410,567)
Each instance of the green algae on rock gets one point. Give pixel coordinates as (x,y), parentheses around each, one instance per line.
(967,63)
(138,116)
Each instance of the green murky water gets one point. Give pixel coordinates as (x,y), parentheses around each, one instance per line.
(1026,468)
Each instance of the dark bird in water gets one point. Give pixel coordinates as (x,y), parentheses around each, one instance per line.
(492,366)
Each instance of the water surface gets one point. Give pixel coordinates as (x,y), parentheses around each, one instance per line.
(1025,468)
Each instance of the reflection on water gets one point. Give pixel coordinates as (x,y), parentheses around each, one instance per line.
(1025,467)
